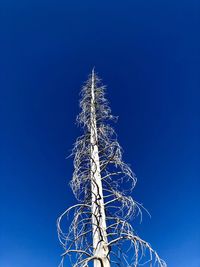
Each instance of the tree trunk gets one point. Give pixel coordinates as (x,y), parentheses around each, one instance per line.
(100,241)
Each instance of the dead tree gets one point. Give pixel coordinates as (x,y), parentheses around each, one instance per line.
(100,234)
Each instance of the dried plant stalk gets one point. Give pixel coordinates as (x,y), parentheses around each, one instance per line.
(100,234)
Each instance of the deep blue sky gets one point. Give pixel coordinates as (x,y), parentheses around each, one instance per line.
(148,53)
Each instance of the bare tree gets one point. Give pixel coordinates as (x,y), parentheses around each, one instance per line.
(100,233)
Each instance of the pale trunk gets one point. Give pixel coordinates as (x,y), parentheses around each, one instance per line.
(100,241)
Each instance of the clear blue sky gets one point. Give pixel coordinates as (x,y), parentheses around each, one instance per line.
(148,53)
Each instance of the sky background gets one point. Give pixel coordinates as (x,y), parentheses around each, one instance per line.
(147,53)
